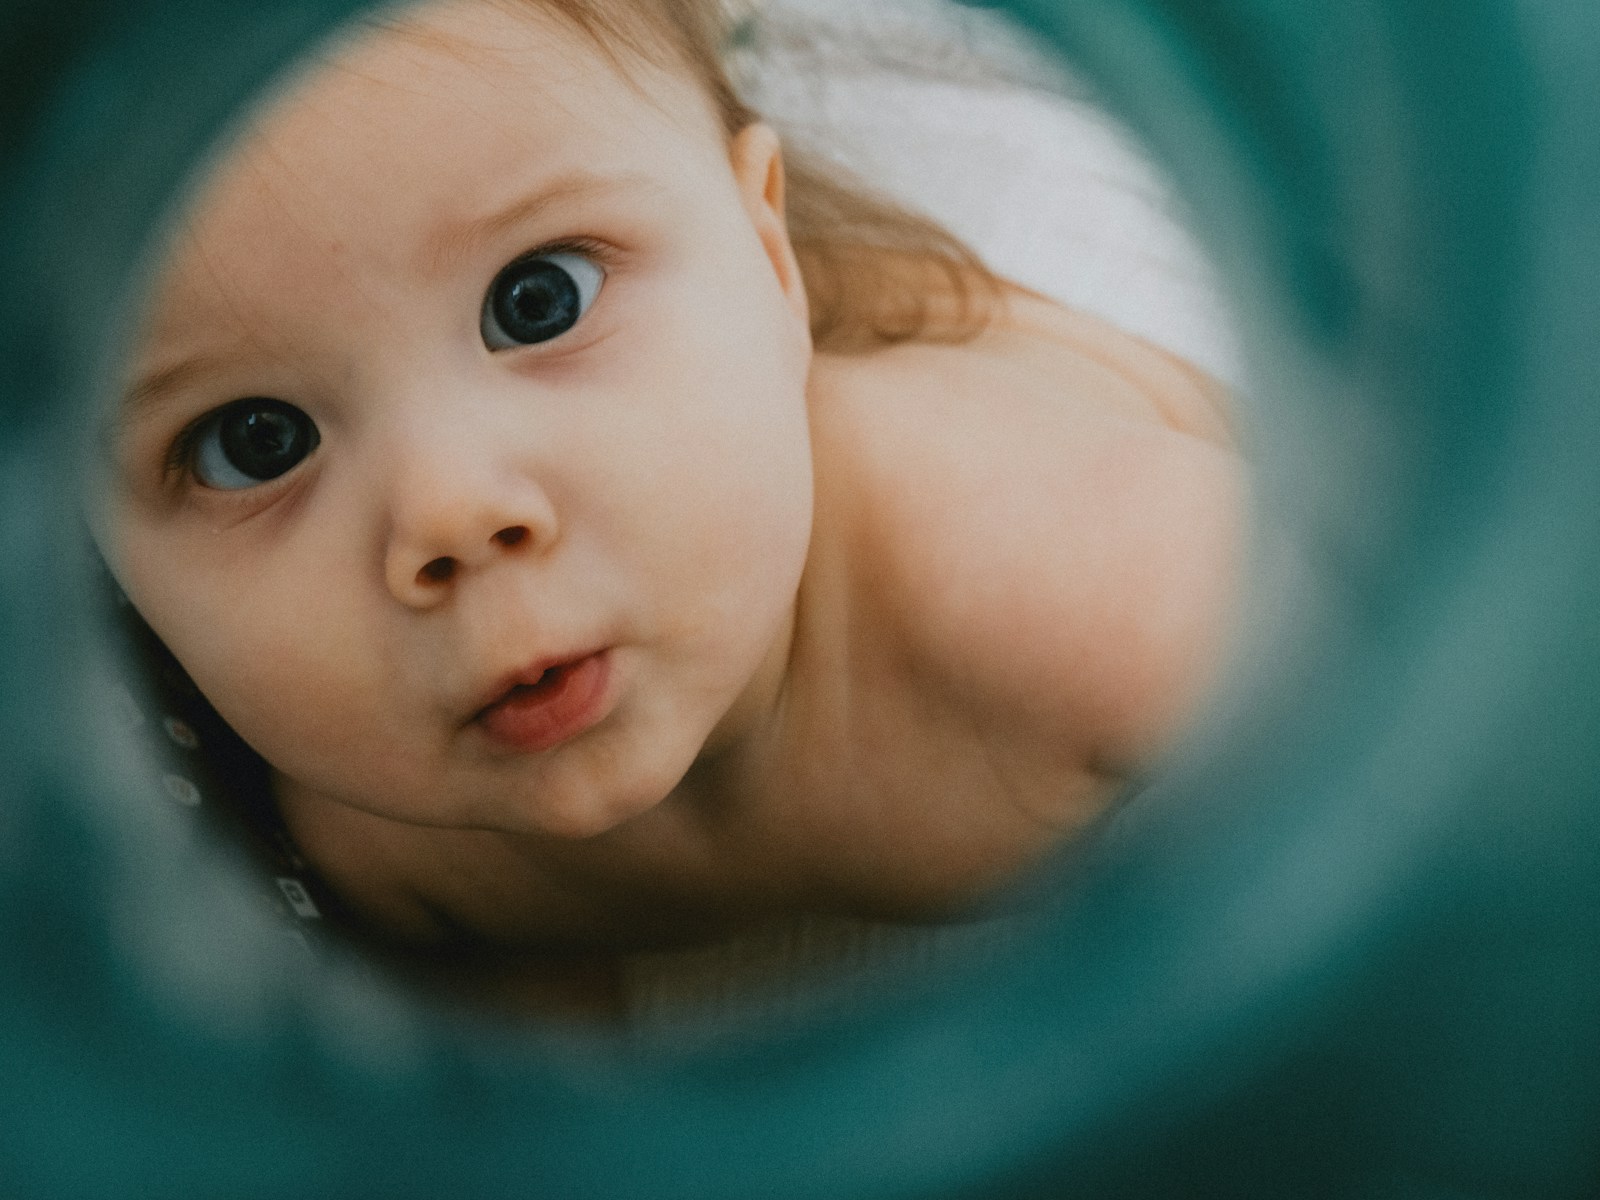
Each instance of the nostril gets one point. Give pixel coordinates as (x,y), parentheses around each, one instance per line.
(444,568)
(440,570)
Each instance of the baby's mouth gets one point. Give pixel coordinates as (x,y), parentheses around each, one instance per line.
(543,707)
(545,676)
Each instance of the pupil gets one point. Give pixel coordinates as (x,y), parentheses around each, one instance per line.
(262,443)
(536,301)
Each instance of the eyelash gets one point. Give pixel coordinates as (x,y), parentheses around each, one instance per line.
(180,456)
(602,252)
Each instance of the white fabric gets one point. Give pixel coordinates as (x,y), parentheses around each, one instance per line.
(950,112)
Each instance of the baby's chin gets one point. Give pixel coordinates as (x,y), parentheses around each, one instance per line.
(587,810)
(598,787)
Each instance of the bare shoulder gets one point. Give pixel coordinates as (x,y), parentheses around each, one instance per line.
(1048,516)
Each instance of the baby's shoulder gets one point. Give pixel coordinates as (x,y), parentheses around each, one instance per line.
(1014,513)
(1034,356)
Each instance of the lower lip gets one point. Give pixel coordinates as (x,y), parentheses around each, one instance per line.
(565,702)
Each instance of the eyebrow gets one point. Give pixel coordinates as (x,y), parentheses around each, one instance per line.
(443,248)
(147,390)
(447,244)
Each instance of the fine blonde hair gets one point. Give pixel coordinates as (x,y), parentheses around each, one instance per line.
(876,273)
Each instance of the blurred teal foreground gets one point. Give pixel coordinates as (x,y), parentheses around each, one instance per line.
(1354,950)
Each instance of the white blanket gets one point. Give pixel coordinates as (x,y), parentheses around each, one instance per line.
(953,113)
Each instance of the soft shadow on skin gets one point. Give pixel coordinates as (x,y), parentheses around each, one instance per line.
(613,535)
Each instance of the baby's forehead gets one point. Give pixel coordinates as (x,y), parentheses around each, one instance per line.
(404,150)
(448,107)
(528,44)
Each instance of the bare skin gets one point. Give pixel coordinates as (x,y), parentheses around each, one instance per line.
(879,630)
(1024,559)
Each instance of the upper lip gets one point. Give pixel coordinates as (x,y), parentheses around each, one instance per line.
(524,676)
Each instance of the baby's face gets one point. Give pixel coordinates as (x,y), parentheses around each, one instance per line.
(466,467)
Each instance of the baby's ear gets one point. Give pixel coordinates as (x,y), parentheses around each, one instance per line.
(757,158)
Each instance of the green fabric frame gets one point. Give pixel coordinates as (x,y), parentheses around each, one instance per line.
(1352,950)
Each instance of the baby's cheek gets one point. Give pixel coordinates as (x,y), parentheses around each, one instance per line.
(286,690)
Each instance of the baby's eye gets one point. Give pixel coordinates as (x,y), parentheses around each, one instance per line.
(539,297)
(249,442)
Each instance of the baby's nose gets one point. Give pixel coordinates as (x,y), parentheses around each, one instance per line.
(443,569)
(443,531)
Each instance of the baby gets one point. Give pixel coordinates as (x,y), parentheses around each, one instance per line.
(612,537)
